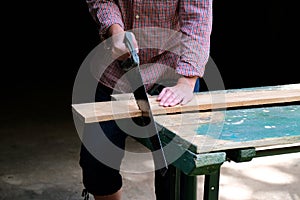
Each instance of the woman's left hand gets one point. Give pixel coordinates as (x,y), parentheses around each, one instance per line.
(181,93)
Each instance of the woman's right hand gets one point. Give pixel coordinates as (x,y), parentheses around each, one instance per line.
(118,48)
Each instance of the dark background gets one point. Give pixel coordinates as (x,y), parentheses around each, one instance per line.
(253,43)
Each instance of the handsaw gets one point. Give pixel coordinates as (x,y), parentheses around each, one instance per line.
(132,64)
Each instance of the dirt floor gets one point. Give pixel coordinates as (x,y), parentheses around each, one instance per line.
(39,161)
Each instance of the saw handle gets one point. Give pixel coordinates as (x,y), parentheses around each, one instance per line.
(133,61)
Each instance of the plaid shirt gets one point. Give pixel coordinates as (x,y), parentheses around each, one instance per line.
(191,18)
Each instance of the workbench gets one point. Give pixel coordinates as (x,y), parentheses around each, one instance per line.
(232,125)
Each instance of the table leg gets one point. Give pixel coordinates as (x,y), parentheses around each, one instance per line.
(211,186)
(175,185)
(167,187)
(188,187)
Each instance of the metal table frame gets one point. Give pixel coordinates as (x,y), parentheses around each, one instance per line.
(184,184)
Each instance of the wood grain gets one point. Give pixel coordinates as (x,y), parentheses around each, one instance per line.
(126,108)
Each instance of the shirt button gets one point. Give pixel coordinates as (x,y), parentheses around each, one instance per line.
(137,16)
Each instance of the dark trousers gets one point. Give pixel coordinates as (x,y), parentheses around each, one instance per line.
(100,179)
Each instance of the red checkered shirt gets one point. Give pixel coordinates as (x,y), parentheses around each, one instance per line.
(160,49)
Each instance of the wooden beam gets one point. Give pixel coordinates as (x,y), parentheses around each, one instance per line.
(120,109)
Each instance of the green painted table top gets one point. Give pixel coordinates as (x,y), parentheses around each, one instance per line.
(258,123)
(231,129)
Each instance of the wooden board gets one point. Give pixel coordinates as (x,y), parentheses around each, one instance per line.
(126,106)
(233,129)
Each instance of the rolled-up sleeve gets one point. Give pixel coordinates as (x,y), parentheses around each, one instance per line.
(195,18)
(105,13)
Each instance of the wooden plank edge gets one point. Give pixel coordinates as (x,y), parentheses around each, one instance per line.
(94,116)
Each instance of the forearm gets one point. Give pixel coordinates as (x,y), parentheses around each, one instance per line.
(105,13)
(195,25)
(190,81)
(114,29)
